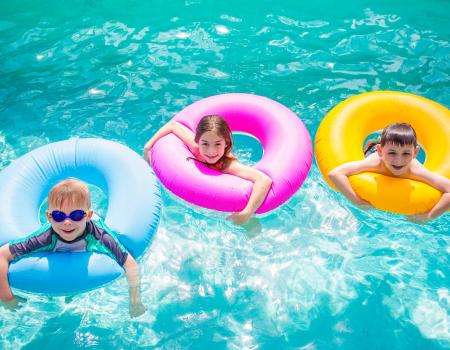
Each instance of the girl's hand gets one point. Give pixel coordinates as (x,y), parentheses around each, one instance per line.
(239,218)
(147,154)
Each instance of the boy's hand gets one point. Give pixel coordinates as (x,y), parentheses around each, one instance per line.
(239,218)
(419,218)
(14,304)
(136,306)
(362,204)
(137,309)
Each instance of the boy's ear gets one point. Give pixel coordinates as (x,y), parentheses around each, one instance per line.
(89,214)
(47,214)
(379,149)
(416,151)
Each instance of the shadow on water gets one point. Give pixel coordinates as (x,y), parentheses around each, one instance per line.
(208,320)
(56,333)
(64,332)
(201,321)
(365,324)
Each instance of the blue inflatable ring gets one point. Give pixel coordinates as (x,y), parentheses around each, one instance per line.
(134,205)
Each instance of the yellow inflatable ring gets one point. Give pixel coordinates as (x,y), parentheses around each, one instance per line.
(342,132)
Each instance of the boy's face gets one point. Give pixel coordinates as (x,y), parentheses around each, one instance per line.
(69,229)
(397,159)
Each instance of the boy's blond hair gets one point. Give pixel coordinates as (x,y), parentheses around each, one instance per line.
(71,191)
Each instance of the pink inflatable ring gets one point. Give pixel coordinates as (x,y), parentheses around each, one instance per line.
(284,138)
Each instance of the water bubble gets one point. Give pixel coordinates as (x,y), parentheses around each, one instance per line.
(221,29)
(183,35)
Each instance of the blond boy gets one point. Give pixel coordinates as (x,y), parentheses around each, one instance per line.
(70,229)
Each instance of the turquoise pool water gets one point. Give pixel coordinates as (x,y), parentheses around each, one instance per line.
(321,274)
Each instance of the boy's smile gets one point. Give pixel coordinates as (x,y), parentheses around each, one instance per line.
(68,229)
(396,158)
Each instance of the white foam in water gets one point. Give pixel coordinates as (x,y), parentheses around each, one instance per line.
(432,319)
(7,153)
(95,91)
(115,33)
(183,35)
(221,29)
(309,346)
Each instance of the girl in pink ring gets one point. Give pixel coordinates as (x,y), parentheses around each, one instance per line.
(211,145)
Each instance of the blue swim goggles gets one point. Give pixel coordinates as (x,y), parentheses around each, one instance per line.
(76,215)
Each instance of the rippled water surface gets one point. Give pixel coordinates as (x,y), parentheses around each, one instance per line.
(321,274)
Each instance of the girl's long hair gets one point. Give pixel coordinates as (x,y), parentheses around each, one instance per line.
(218,125)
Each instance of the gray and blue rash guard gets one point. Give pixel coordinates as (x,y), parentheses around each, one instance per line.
(96,238)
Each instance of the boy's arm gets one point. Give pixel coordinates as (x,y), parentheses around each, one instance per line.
(101,233)
(134,282)
(6,257)
(419,172)
(339,176)
(442,206)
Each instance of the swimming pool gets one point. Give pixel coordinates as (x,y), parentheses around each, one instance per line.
(321,274)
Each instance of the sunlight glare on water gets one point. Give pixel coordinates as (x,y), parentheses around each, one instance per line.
(320,273)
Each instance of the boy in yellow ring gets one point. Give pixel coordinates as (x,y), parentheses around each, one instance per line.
(70,229)
(395,156)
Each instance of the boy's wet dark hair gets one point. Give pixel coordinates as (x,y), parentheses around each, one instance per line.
(398,134)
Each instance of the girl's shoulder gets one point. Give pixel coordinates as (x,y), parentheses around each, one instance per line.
(230,156)
(192,146)
(234,166)
(194,149)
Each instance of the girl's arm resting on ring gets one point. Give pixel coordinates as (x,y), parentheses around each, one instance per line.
(182,132)
(5,258)
(261,186)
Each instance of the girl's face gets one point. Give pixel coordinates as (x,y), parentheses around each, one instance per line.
(211,147)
